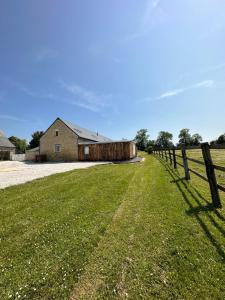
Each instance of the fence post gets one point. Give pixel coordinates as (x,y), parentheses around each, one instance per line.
(211,175)
(174,159)
(165,154)
(170,156)
(185,162)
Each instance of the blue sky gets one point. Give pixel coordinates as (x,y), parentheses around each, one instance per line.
(113,66)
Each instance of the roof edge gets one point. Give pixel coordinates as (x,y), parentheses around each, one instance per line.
(54,123)
(110,142)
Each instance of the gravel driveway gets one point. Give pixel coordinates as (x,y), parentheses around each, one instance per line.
(15,172)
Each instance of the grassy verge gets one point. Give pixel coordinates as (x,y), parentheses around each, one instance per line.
(50,226)
(112,232)
(166,243)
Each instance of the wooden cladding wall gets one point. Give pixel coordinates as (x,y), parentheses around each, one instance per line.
(108,151)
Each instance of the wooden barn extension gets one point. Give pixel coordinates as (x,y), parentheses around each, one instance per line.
(108,151)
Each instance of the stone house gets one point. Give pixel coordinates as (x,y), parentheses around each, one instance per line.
(62,140)
(7,149)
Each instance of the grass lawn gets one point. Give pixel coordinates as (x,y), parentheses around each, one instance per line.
(218,157)
(112,232)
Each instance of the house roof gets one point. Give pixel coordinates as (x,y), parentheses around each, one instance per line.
(86,133)
(107,142)
(33,149)
(4,142)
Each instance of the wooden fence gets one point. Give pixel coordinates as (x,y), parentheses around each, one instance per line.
(170,155)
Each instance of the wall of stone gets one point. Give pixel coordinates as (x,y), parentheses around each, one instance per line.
(18,157)
(31,155)
(66,138)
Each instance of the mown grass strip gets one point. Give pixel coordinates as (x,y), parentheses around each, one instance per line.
(164,244)
(50,226)
(135,231)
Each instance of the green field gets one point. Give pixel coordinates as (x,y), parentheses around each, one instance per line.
(133,231)
(218,157)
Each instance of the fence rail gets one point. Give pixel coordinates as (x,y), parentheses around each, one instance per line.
(171,156)
(219,168)
(196,161)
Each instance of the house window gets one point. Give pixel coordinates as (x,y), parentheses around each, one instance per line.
(86,150)
(134,149)
(57,148)
(56,132)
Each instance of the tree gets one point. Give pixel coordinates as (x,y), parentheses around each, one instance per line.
(196,139)
(21,144)
(142,139)
(35,141)
(185,137)
(221,139)
(213,143)
(164,139)
(150,146)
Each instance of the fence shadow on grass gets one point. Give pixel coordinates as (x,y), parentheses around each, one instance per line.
(203,209)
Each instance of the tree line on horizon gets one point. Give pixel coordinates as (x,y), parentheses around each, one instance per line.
(143,142)
(165,140)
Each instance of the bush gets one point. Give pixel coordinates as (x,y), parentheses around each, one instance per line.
(149,150)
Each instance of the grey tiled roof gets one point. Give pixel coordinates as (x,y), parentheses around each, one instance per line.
(4,142)
(86,134)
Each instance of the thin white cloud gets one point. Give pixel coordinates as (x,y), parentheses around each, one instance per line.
(151,6)
(11,118)
(205,83)
(44,54)
(173,93)
(25,89)
(152,15)
(29,92)
(155,3)
(206,70)
(86,98)
(79,96)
